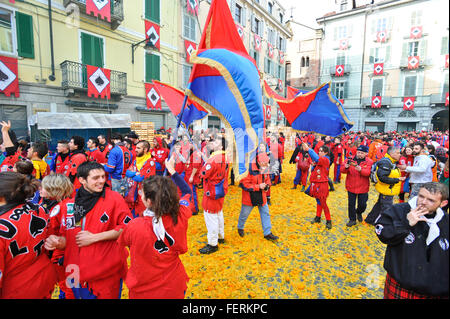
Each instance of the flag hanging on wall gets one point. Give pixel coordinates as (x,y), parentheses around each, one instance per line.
(408,103)
(190,47)
(192,6)
(281,54)
(279,115)
(378,68)
(268,113)
(240,30)
(100,8)
(446,99)
(152,32)
(446,61)
(153,97)
(339,70)
(413,62)
(343,44)
(257,42)
(98,82)
(9,79)
(270,49)
(381,36)
(376,102)
(416,32)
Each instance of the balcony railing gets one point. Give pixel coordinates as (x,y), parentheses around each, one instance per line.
(74,76)
(116,10)
(347,69)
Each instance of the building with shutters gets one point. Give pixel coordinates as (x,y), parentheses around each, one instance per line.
(387,61)
(262,25)
(53,46)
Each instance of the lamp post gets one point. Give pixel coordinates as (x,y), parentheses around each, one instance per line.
(148,45)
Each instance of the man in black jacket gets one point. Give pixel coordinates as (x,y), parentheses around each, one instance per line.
(417,238)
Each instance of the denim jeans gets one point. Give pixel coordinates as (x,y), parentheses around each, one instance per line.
(263,214)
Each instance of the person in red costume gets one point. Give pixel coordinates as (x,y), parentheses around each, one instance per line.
(215,186)
(91,223)
(193,166)
(157,239)
(160,153)
(93,153)
(254,194)
(26,271)
(143,167)
(56,190)
(319,182)
(76,158)
(357,183)
(338,154)
(407,159)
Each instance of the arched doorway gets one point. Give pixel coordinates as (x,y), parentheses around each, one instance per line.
(440,121)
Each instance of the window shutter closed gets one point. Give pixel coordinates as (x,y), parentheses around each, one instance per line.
(152,8)
(25,39)
(152,67)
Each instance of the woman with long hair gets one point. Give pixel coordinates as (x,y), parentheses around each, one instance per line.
(157,239)
(26,271)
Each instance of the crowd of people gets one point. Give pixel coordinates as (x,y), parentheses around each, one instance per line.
(72,217)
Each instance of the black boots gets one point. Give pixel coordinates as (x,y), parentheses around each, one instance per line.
(208,249)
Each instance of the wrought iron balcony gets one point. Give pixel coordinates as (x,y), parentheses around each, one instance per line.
(347,69)
(74,76)
(116,10)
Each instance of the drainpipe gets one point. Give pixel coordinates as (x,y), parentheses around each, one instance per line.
(51,76)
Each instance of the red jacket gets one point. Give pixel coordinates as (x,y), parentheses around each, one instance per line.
(102,260)
(25,269)
(251,184)
(213,173)
(157,271)
(357,182)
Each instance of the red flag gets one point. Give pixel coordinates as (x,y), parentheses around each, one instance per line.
(98,82)
(339,70)
(153,97)
(342,101)
(270,47)
(446,99)
(291,92)
(381,36)
(268,112)
(192,6)
(343,44)
(279,115)
(257,42)
(9,78)
(378,68)
(376,102)
(416,32)
(413,62)
(240,31)
(190,47)
(152,31)
(99,8)
(446,61)
(408,103)
(12,1)
(281,54)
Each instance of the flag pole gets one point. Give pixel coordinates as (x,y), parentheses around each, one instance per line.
(175,133)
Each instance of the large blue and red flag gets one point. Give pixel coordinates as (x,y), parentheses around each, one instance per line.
(174,100)
(314,111)
(225,80)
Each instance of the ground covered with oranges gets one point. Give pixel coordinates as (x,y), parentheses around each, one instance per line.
(308,261)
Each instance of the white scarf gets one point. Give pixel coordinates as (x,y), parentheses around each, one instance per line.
(434,231)
(158,226)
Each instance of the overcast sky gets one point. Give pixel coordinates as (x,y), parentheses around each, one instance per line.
(307,11)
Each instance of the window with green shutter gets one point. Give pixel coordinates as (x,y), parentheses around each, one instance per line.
(25,39)
(91,53)
(152,9)
(152,67)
